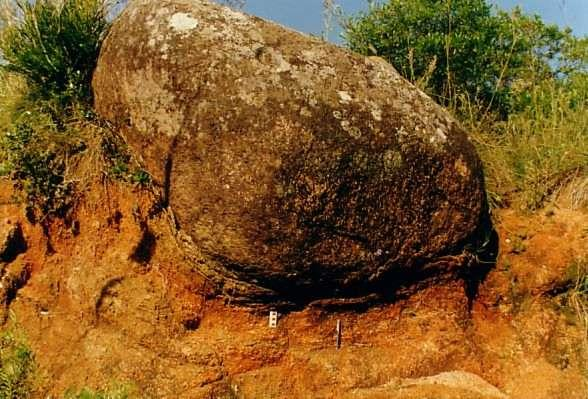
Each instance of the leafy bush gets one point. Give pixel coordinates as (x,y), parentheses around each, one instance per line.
(461,48)
(48,131)
(118,160)
(50,159)
(37,156)
(35,149)
(55,46)
(17,367)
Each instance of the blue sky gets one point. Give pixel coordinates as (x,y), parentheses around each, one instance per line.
(306,15)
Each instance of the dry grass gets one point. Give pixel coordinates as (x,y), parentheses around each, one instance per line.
(575,194)
(537,155)
(577,300)
(578,295)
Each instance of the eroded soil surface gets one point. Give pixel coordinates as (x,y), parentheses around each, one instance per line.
(107,296)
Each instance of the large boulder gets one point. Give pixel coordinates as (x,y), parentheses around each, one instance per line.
(296,169)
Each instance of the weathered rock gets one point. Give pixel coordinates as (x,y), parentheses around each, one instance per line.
(12,241)
(452,384)
(12,278)
(296,169)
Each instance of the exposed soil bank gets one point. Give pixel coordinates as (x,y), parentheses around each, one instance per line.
(114,300)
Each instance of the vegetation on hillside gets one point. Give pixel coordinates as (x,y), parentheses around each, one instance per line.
(519,85)
(538,155)
(463,49)
(17,366)
(55,46)
(51,142)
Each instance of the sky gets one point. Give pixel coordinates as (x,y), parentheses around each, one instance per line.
(306,15)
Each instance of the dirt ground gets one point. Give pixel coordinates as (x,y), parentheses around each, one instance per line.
(108,297)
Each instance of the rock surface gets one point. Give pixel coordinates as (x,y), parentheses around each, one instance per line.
(12,241)
(296,170)
(450,385)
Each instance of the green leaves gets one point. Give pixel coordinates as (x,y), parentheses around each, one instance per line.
(478,53)
(55,46)
(37,153)
(48,53)
(17,367)
(518,84)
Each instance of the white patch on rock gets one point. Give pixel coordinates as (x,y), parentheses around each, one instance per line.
(377,114)
(462,168)
(326,72)
(402,134)
(353,131)
(305,112)
(314,56)
(235,16)
(270,56)
(438,137)
(458,380)
(392,160)
(344,96)
(182,22)
(281,63)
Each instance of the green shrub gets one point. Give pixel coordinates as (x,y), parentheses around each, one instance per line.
(118,160)
(37,155)
(17,366)
(51,142)
(459,49)
(49,50)
(50,158)
(518,85)
(55,46)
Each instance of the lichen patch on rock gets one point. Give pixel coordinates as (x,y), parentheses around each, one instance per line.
(182,22)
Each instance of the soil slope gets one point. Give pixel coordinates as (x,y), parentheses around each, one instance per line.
(108,297)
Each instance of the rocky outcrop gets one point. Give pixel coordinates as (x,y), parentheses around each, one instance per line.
(14,273)
(450,385)
(13,277)
(296,170)
(12,241)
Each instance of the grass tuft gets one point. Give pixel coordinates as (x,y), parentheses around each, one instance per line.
(539,154)
(54,45)
(51,142)
(577,296)
(17,366)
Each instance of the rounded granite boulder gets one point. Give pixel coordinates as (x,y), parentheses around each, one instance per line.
(296,169)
